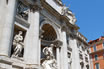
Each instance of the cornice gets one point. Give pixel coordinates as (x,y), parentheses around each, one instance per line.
(95,43)
(97,51)
(58,15)
(58,2)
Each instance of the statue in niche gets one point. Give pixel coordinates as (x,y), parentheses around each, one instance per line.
(18,45)
(50,61)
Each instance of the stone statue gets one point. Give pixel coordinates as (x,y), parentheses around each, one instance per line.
(50,61)
(18,45)
(64,10)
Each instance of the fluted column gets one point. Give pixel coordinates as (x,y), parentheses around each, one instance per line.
(64,57)
(32,46)
(6,26)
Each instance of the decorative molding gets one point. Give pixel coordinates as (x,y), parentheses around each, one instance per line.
(58,43)
(59,2)
(22,22)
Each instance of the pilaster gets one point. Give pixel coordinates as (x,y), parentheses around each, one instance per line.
(32,46)
(75,54)
(64,57)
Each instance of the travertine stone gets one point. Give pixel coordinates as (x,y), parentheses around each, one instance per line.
(64,60)
(31,53)
(49,13)
(75,55)
(58,58)
(6,28)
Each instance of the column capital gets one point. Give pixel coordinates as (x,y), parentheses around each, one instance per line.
(58,43)
(34,8)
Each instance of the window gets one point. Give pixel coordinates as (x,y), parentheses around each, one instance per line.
(103,55)
(103,44)
(97,66)
(94,47)
(96,57)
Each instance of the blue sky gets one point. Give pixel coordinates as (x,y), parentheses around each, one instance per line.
(90,16)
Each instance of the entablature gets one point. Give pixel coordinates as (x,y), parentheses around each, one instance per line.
(60,11)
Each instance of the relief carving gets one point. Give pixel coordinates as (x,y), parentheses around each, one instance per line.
(22,11)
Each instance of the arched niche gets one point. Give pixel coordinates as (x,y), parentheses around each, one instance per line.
(49,37)
(53,26)
(49,33)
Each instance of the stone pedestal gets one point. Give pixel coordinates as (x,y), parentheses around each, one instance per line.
(6,27)
(32,48)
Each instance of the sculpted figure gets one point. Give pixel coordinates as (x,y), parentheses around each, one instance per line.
(49,62)
(64,10)
(18,44)
(22,10)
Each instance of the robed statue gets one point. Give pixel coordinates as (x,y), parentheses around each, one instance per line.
(18,44)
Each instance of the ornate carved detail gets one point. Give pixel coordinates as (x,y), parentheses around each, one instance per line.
(34,8)
(50,61)
(31,2)
(58,43)
(18,45)
(63,26)
(64,10)
(22,10)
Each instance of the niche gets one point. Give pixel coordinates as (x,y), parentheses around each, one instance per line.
(18,42)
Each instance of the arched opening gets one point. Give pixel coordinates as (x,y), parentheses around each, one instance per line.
(48,52)
(49,33)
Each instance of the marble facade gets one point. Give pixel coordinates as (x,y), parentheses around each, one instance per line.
(42,23)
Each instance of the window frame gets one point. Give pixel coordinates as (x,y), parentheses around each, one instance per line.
(94,48)
(103,44)
(98,66)
(103,55)
(96,58)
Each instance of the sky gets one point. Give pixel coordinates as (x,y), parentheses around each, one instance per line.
(89,15)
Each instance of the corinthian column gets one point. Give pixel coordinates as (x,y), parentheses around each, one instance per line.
(6,27)
(32,47)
